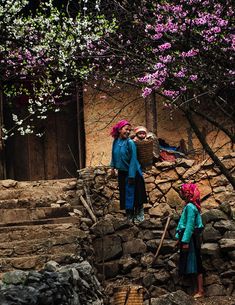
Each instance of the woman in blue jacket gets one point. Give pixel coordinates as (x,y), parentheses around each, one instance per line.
(130,178)
(188,234)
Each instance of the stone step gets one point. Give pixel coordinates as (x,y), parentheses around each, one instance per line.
(59,183)
(38,231)
(35,202)
(58,220)
(11,215)
(39,246)
(51,190)
(35,262)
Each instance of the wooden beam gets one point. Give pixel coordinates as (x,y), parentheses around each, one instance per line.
(81,127)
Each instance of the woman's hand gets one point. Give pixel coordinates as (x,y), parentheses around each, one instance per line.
(112,173)
(185,246)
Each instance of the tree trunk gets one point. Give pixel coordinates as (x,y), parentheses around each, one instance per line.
(151,113)
(208,149)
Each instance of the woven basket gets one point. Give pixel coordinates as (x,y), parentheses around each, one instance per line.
(145,153)
(128,295)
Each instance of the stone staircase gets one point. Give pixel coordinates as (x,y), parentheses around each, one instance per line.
(37,223)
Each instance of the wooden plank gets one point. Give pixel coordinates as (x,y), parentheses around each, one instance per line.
(2,150)
(67,146)
(50,149)
(81,127)
(19,155)
(36,158)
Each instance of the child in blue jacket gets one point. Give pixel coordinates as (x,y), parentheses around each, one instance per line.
(188,234)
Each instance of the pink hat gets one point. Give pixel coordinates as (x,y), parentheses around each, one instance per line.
(140,128)
(115,129)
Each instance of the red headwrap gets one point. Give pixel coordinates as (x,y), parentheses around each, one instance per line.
(115,129)
(191,193)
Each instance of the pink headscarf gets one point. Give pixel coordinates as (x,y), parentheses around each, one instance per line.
(115,129)
(191,193)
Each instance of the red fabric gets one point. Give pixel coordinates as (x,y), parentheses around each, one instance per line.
(165,156)
(115,129)
(191,193)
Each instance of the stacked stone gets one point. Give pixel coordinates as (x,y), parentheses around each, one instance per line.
(162,184)
(73,284)
(124,252)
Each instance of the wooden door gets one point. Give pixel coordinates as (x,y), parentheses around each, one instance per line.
(55,155)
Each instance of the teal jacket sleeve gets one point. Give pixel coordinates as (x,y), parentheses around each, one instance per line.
(133,160)
(190,223)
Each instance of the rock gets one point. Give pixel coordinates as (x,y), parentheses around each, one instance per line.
(211,279)
(210,234)
(149,280)
(7,183)
(214,290)
(149,179)
(205,188)
(213,215)
(169,175)
(174,200)
(150,187)
(128,234)
(210,249)
(162,276)
(107,192)
(110,269)
(156,291)
(181,162)
(134,246)
(175,298)
(209,204)
(155,195)
(231,255)
(107,248)
(78,212)
(51,266)
(127,263)
(151,224)
(61,202)
(160,210)
(55,205)
(87,221)
(146,259)
(225,225)
(180,170)
(227,244)
(164,164)
(15,277)
(120,223)
(103,227)
(192,171)
(164,187)
(226,208)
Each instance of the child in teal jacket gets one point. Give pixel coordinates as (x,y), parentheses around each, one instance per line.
(188,234)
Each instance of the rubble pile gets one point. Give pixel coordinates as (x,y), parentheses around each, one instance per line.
(73,284)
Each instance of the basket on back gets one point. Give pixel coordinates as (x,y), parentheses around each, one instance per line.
(145,153)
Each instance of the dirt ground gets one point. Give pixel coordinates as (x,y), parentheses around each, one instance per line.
(216,300)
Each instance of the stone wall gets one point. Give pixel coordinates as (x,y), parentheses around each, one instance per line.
(124,251)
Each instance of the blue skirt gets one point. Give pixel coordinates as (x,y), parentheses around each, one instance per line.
(133,196)
(190,261)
